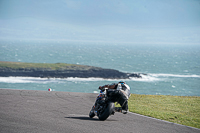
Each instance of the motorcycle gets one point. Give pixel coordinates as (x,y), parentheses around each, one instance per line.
(104,106)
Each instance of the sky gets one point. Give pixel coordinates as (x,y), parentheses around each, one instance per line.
(116,21)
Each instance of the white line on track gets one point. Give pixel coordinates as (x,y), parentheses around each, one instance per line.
(78,115)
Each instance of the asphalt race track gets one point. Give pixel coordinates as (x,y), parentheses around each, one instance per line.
(23,111)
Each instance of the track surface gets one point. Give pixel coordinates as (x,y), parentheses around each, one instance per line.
(23,111)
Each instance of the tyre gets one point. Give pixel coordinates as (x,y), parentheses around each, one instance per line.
(91,114)
(107,112)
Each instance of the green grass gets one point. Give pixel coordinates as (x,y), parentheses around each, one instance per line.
(17,65)
(183,110)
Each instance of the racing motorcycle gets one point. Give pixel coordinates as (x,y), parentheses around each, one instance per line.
(104,106)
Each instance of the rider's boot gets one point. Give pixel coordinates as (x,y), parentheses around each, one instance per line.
(119,109)
(124,111)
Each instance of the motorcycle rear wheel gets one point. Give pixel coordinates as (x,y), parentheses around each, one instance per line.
(107,112)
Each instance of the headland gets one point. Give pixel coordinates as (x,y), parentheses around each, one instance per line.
(60,70)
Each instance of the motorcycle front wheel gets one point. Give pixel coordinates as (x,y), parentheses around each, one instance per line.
(91,114)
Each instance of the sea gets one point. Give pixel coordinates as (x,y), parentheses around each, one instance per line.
(166,69)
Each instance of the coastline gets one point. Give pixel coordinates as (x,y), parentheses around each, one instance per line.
(60,70)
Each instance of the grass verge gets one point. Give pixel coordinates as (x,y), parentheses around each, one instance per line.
(183,110)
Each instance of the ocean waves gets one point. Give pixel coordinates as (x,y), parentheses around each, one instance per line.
(145,78)
(175,75)
(26,80)
(162,84)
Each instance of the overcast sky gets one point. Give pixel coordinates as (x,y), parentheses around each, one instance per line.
(133,21)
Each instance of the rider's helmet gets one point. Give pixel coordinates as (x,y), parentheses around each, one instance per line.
(122,82)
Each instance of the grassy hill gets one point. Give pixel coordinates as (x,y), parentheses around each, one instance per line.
(60,70)
(52,66)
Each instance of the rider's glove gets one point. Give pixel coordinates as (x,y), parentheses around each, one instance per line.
(101,88)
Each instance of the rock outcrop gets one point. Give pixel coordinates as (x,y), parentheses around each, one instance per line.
(64,73)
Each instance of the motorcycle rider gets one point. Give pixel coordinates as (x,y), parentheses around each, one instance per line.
(120,92)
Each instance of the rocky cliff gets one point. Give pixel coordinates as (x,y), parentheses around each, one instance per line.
(64,72)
